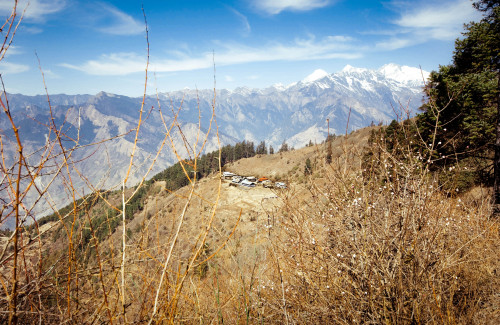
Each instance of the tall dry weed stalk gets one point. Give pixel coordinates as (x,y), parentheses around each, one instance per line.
(69,272)
(372,239)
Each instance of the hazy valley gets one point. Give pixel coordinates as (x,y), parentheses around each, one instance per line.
(297,113)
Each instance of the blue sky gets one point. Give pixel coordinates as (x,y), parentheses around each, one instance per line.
(87,46)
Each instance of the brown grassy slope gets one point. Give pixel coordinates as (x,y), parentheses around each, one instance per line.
(343,245)
(354,245)
(152,230)
(280,165)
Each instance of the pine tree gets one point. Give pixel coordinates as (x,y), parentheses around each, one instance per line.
(284,147)
(261,148)
(464,96)
(308,167)
(485,56)
(329,152)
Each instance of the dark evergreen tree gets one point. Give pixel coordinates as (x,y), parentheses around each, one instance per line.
(249,149)
(463,113)
(261,148)
(330,137)
(284,147)
(238,150)
(308,167)
(479,52)
(329,152)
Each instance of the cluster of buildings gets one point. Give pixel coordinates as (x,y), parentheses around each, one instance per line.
(251,181)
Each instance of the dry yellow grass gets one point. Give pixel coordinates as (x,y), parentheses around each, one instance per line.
(344,245)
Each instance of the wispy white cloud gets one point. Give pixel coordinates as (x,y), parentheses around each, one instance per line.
(420,22)
(14,50)
(332,47)
(36,10)
(31,29)
(51,74)
(228,78)
(12,68)
(7,67)
(441,20)
(246,25)
(274,7)
(394,43)
(120,23)
(115,64)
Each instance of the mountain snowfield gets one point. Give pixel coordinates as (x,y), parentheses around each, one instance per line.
(296,113)
(316,75)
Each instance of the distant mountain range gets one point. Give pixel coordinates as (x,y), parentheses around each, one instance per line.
(298,112)
(295,113)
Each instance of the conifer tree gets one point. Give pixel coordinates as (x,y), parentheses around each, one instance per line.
(485,56)
(284,147)
(308,167)
(261,148)
(464,96)
(329,151)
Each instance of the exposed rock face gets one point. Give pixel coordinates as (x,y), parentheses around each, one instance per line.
(296,113)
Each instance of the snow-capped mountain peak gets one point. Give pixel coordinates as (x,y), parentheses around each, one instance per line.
(316,75)
(350,69)
(297,112)
(403,74)
(279,86)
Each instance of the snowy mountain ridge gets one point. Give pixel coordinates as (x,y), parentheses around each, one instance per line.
(285,112)
(405,75)
(316,75)
(296,113)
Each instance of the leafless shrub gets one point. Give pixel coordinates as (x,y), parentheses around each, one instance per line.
(385,245)
(77,270)
(359,243)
